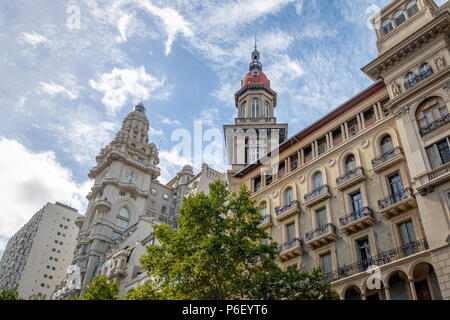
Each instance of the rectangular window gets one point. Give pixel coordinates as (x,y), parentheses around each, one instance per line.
(357,204)
(327,264)
(352,127)
(337,136)
(396,187)
(369,117)
(322,145)
(308,154)
(363,252)
(407,234)
(257,183)
(294,161)
(322,217)
(290,232)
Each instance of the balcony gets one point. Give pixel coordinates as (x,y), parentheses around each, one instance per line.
(388,159)
(434,125)
(383,258)
(102,205)
(350,178)
(317,195)
(397,203)
(433,178)
(116,272)
(287,211)
(79,221)
(321,236)
(290,249)
(357,221)
(266,222)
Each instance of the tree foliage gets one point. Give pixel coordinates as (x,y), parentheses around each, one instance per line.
(12,294)
(100,289)
(218,252)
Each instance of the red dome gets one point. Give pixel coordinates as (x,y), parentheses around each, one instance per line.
(259,78)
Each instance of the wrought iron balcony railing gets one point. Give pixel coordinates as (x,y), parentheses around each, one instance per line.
(395,198)
(287,207)
(296,242)
(380,259)
(359,171)
(355,216)
(329,227)
(387,156)
(266,219)
(416,79)
(434,125)
(317,192)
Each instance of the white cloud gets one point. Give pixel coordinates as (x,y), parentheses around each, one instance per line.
(299,7)
(121,85)
(29,181)
(283,72)
(34,38)
(54,89)
(226,93)
(174,23)
(124,27)
(208,116)
(169,121)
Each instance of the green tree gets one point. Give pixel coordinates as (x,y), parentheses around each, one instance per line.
(100,289)
(218,252)
(12,294)
(144,292)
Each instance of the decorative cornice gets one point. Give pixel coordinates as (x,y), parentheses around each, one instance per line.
(401,112)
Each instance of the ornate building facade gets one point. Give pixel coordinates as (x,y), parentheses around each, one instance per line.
(368,185)
(125,202)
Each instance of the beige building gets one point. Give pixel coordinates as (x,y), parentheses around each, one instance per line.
(368,185)
(125,202)
(37,256)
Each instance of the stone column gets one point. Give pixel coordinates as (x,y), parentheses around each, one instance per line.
(375,112)
(413,289)
(363,122)
(387,293)
(301,157)
(331,139)
(343,132)
(347,133)
(328,140)
(358,121)
(380,110)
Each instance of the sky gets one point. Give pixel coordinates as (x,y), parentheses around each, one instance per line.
(70,71)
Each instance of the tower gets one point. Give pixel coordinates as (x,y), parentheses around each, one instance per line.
(123,175)
(256,130)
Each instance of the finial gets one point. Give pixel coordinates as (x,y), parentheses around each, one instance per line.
(255,41)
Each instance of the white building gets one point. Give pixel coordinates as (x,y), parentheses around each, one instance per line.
(125,202)
(37,256)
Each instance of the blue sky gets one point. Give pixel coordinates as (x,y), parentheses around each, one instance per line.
(65,88)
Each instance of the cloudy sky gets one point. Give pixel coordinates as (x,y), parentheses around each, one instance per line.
(70,71)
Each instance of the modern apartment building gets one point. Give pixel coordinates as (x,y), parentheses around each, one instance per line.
(368,185)
(37,256)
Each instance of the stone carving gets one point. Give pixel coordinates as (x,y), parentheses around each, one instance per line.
(365,144)
(401,111)
(274,194)
(301,179)
(441,63)
(395,88)
(331,162)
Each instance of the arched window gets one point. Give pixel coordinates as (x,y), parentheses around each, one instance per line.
(425,70)
(430,111)
(387,26)
(399,17)
(412,8)
(386,144)
(350,163)
(289,195)
(264,209)
(318,182)
(255,108)
(244,110)
(123,218)
(266,109)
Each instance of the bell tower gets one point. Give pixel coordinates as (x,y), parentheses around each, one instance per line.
(255,131)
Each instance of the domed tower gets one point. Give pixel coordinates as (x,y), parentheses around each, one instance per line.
(124,173)
(256,130)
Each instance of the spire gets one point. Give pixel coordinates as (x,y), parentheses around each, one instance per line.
(255,64)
